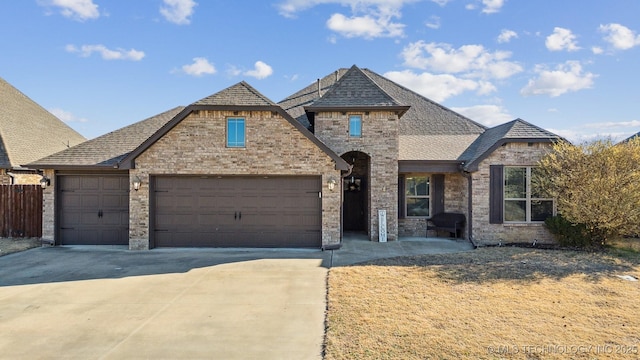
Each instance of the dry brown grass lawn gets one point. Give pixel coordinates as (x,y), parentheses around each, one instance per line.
(12,245)
(486,304)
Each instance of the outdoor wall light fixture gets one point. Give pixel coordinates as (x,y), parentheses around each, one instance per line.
(44,182)
(331,184)
(136,183)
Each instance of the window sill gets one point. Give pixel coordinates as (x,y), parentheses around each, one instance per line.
(520,224)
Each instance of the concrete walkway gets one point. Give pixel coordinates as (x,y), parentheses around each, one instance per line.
(112,303)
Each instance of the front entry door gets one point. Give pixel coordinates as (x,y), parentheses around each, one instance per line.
(355,209)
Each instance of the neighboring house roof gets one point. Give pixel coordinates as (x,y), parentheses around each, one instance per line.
(629,138)
(109,149)
(517,130)
(29,132)
(356,91)
(240,96)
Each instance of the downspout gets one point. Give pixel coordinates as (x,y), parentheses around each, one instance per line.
(12,176)
(467,175)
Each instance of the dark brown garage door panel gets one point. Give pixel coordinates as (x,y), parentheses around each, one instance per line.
(237,212)
(93,209)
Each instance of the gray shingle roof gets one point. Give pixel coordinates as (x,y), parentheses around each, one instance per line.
(107,150)
(428,130)
(240,94)
(355,89)
(513,131)
(29,132)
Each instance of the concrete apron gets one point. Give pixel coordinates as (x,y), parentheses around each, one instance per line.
(255,309)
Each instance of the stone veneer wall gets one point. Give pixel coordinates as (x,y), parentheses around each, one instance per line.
(379,140)
(455,200)
(48,208)
(197,146)
(484,233)
(4,178)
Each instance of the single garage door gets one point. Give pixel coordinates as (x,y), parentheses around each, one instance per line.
(93,209)
(236,211)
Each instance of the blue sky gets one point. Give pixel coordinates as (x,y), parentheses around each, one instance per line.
(569,66)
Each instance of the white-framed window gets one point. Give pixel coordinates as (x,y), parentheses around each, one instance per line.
(418,196)
(355,125)
(523,200)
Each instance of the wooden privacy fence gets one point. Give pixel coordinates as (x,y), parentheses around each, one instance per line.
(20,211)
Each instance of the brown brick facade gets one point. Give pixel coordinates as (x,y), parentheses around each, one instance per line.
(484,233)
(197,146)
(379,141)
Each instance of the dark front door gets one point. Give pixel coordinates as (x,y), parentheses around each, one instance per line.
(93,209)
(236,211)
(355,209)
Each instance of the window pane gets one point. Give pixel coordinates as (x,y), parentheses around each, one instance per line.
(235,132)
(417,186)
(417,207)
(515,182)
(355,126)
(515,210)
(536,183)
(541,209)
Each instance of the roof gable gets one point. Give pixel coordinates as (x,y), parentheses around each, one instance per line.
(29,132)
(517,130)
(249,99)
(240,94)
(355,89)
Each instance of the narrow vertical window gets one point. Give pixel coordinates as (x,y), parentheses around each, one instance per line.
(417,196)
(355,126)
(235,133)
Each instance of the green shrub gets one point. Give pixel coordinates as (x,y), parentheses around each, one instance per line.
(569,234)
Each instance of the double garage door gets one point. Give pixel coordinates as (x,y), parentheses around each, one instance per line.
(236,211)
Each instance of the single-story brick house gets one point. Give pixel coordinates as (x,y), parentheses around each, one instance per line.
(237,169)
(28,132)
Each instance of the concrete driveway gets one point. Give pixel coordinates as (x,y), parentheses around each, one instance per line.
(110,303)
(101,302)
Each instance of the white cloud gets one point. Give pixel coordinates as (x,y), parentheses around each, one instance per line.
(492,6)
(437,87)
(178,11)
(433,22)
(106,53)
(619,36)
(441,2)
(200,66)
(565,78)
(80,10)
(614,124)
(489,115)
(588,133)
(562,39)
(597,50)
(369,18)
(66,116)
(470,60)
(506,36)
(365,26)
(260,71)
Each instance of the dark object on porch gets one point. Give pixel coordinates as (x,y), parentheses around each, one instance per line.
(451,222)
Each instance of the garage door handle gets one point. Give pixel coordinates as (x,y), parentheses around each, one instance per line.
(240,215)
(235,215)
